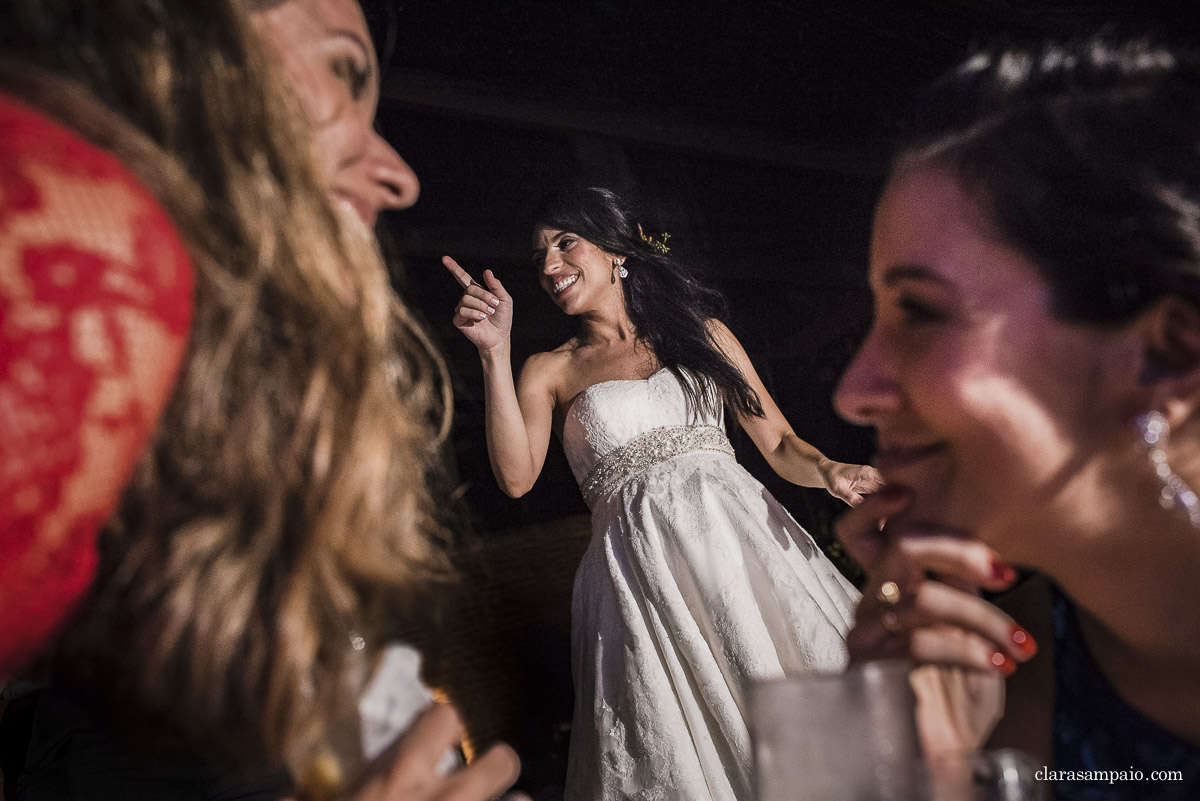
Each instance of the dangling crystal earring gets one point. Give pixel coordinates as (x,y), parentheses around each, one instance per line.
(619,269)
(1175,494)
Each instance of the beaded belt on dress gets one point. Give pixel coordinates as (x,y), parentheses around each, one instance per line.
(646,450)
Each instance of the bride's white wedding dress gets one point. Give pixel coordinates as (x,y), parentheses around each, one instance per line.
(695,582)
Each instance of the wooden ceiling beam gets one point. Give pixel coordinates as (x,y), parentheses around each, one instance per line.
(999,17)
(451,99)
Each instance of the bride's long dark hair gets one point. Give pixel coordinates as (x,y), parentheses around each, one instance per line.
(668,306)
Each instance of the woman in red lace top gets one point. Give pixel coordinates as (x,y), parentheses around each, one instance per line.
(283,512)
(95,301)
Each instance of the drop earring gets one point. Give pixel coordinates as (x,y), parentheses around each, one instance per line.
(1175,493)
(619,269)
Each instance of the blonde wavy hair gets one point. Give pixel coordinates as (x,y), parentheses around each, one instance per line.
(291,498)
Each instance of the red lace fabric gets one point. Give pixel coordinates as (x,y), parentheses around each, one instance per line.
(95,303)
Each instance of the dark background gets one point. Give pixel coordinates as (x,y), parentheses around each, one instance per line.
(759,133)
(758,130)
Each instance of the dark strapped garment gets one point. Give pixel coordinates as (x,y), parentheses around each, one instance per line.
(69,757)
(95,304)
(1096,730)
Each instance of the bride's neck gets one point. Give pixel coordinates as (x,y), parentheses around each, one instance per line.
(606,330)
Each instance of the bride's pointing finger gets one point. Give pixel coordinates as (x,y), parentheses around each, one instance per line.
(460,275)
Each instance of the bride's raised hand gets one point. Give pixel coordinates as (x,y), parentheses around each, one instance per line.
(484,312)
(850,482)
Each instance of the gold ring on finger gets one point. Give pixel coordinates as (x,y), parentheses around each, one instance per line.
(889,593)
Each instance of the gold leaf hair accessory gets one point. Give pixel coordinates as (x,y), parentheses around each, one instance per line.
(659,244)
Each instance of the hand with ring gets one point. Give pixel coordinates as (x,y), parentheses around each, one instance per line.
(889,597)
(921,600)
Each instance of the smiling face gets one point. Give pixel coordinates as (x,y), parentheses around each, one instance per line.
(328,57)
(1001,419)
(576,274)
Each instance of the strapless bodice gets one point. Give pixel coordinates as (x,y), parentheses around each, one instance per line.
(615,427)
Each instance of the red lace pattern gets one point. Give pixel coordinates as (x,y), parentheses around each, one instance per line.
(95,303)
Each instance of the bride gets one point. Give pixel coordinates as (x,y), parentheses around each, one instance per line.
(696,580)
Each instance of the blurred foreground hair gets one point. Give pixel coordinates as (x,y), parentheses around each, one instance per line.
(287,510)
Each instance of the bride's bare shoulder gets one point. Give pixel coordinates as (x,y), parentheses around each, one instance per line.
(545,372)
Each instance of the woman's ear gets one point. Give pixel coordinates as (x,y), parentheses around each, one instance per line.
(1171,367)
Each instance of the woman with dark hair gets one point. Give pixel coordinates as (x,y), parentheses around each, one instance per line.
(696,580)
(1034,376)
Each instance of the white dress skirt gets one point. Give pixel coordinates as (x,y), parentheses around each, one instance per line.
(696,582)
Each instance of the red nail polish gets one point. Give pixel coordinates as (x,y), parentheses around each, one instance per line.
(1002,571)
(1024,641)
(1004,663)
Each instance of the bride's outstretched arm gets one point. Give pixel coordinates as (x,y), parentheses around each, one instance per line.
(790,456)
(518,417)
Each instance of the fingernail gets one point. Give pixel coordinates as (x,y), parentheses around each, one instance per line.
(491,310)
(494,301)
(1004,663)
(1002,571)
(1023,640)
